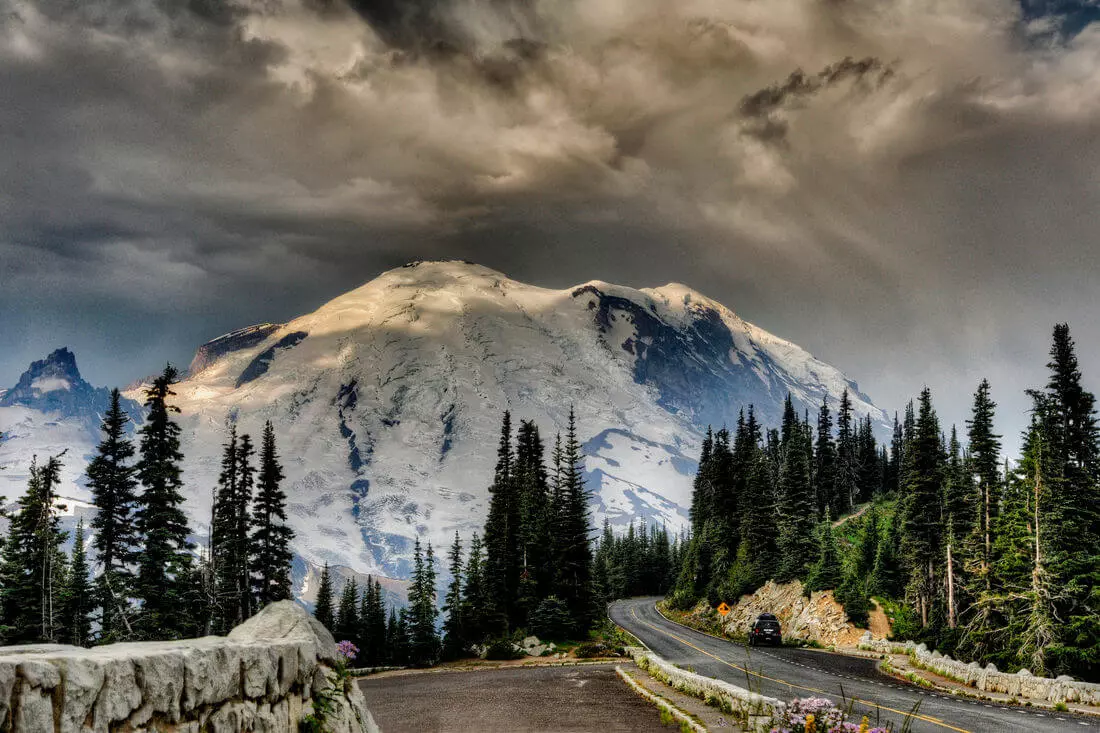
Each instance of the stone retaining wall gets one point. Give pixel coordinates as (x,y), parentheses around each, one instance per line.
(263,677)
(757,711)
(1023,684)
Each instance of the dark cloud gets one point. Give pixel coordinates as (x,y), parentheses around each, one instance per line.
(174,170)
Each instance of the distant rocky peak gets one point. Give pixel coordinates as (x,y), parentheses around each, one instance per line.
(54,385)
(56,373)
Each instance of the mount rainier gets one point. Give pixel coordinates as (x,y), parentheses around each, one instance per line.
(387,402)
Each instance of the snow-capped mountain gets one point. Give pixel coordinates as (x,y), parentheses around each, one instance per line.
(52,409)
(387,400)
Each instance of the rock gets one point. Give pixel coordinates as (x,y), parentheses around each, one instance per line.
(261,678)
(1024,673)
(991,667)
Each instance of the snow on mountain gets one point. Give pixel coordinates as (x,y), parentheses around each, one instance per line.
(387,400)
(50,410)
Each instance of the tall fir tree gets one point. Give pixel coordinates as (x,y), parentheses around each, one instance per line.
(847,458)
(826,572)
(78,597)
(33,571)
(323,609)
(270,553)
(112,482)
(475,599)
(454,632)
(922,509)
(347,613)
(1070,549)
(161,523)
(424,644)
(224,544)
(985,475)
(502,564)
(797,508)
(825,462)
(574,562)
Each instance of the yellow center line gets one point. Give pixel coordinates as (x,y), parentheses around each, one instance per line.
(918,716)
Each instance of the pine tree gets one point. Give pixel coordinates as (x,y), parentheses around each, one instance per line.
(161,522)
(797,509)
(502,566)
(113,486)
(984,467)
(423,639)
(223,541)
(574,562)
(323,610)
(825,461)
(1070,549)
(847,459)
(77,600)
(475,601)
(454,641)
(270,551)
(347,615)
(921,529)
(34,567)
(826,572)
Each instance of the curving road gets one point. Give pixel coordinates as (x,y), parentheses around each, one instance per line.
(787,673)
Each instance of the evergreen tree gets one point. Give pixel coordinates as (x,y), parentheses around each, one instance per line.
(503,564)
(475,599)
(886,580)
(797,509)
(271,537)
(422,612)
(826,572)
(78,598)
(223,542)
(983,467)
(33,571)
(574,560)
(347,613)
(323,610)
(372,625)
(454,633)
(1069,549)
(113,485)
(825,461)
(921,514)
(161,522)
(847,459)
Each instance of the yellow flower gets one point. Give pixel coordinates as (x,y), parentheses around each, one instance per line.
(810,723)
(864,725)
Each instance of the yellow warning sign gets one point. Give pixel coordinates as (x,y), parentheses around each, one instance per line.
(723,609)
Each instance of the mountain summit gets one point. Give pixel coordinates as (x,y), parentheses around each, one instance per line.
(387,400)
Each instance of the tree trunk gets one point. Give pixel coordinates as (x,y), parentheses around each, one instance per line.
(950,589)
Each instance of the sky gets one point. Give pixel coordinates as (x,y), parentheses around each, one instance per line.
(907,188)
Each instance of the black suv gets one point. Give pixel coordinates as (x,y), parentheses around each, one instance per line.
(765,630)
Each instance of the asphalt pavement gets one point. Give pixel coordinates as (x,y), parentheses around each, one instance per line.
(787,673)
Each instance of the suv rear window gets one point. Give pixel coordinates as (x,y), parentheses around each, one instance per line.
(767,624)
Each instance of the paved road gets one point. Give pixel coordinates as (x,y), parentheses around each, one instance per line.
(584,699)
(787,673)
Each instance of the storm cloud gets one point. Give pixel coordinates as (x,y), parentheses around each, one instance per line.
(905,188)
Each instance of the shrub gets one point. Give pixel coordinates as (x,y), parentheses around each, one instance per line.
(590,649)
(502,649)
(551,620)
(853,596)
(906,624)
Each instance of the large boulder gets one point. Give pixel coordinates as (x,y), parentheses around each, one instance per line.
(265,676)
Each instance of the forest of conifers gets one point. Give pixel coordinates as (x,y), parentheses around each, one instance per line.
(989,560)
